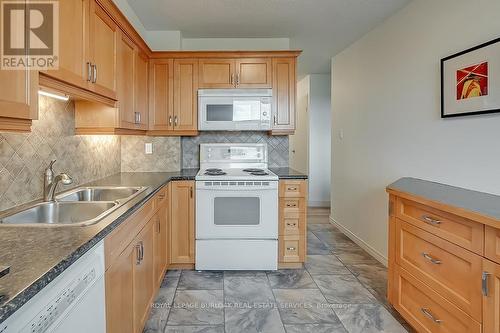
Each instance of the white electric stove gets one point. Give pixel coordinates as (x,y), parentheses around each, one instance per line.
(236,209)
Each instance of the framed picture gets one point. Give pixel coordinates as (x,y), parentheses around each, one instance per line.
(470,81)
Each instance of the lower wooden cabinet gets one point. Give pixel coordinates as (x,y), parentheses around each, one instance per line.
(181,232)
(491,296)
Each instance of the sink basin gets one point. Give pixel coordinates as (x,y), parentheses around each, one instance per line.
(63,213)
(99,194)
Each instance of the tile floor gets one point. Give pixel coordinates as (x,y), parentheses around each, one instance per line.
(341,289)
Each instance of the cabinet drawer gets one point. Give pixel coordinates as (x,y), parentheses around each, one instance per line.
(458,230)
(293,189)
(448,269)
(426,310)
(293,225)
(161,197)
(291,249)
(292,207)
(492,244)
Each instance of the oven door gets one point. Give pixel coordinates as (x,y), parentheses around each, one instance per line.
(230,113)
(236,211)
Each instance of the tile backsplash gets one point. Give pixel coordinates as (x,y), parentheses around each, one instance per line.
(24,157)
(277,146)
(166,154)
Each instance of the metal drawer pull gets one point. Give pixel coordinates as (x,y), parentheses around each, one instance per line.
(291,248)
(292,189)
(291,205)
(161,196)
(170,120)
(430,220)
(94,79)
(431,259)
(484,283)
(429,315)
(291,224)
(138,254)
(89,72)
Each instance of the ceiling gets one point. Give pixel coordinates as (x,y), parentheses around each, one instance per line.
(321,28)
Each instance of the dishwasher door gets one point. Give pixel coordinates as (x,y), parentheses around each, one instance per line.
(74,302)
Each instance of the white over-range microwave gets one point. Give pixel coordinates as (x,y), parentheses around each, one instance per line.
(234,109)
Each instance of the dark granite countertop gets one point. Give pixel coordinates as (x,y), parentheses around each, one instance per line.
(478,202)
(37,255)
(288,173)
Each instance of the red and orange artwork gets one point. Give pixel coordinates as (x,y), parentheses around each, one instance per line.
(472,81)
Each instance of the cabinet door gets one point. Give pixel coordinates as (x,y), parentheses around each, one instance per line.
(159,245)
(119,292)
(143,275)
(18,98)
(141,89)
(253,73)
(217,73)
(103,39)
(161,95)
(73,51)
(182,222)
(491,296)
(284,95)
(125,92)
(186,95)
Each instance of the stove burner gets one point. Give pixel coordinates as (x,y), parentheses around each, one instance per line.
(251,170)
(260,173)
(214,172)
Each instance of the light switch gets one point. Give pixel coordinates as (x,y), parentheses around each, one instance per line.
(149,148)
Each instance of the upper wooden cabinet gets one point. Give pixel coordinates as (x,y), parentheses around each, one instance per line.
(161,96)
(102,41)
(185,96)
(284,94)
(235,73)
(141,90)
(126,75)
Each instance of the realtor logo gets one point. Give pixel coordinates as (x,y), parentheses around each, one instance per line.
(30,35)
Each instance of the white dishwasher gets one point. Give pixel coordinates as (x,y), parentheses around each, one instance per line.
(74,302)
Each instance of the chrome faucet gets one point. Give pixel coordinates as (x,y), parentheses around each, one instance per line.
(50,182)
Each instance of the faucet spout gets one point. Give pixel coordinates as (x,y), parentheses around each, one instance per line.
(51,182)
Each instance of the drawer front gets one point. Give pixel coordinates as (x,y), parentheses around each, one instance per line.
(458,230)
(492,244)
(426,310)
(291,249)
(161,197)
(292,207)
(293,189)
(293,225)
(450,270)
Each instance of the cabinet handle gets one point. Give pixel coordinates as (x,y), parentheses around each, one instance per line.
(237,79)
(275,121)
(142,251)
(484,283)
(291,205)
(429,315)
(161,196)
(429,220)
(291,224)
(138,254)
(191,191)
(94,79)
(291,248)
(292,189)
(431,259)
(232,79)
(89,71)
(176,121)
(159,226)
(170,120)
(140,117)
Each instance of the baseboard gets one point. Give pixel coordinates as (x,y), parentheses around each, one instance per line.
(319,204)
(377,255)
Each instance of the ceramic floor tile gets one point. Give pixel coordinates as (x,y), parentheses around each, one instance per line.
(355,257)
(170,281)
(315,328)
(160,310)
(368,318)
(325,264)
(247,290)
(194,329)
(315,246)
(256,320)
(304,306)
(370,275)
(174,272)
(291,279)
(320,227)
(192,280)
(197,307)
(343,289)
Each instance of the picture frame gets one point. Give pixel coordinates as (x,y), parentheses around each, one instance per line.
(470,81)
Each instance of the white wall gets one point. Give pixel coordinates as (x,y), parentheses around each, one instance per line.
(319,140)
(235,44)
(386,98)
(299,142)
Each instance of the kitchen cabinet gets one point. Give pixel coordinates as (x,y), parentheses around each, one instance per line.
(102,41)
(284,94)
(141,82)
(182,232)
(160,242)
(292,240)
(235,73)
(185,96)
(491,296)
(73,50)
(161,97)
(126,75)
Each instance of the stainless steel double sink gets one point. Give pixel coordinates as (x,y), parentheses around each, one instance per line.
(78,207)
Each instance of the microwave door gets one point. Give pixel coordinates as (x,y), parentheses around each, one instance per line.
(216,113)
